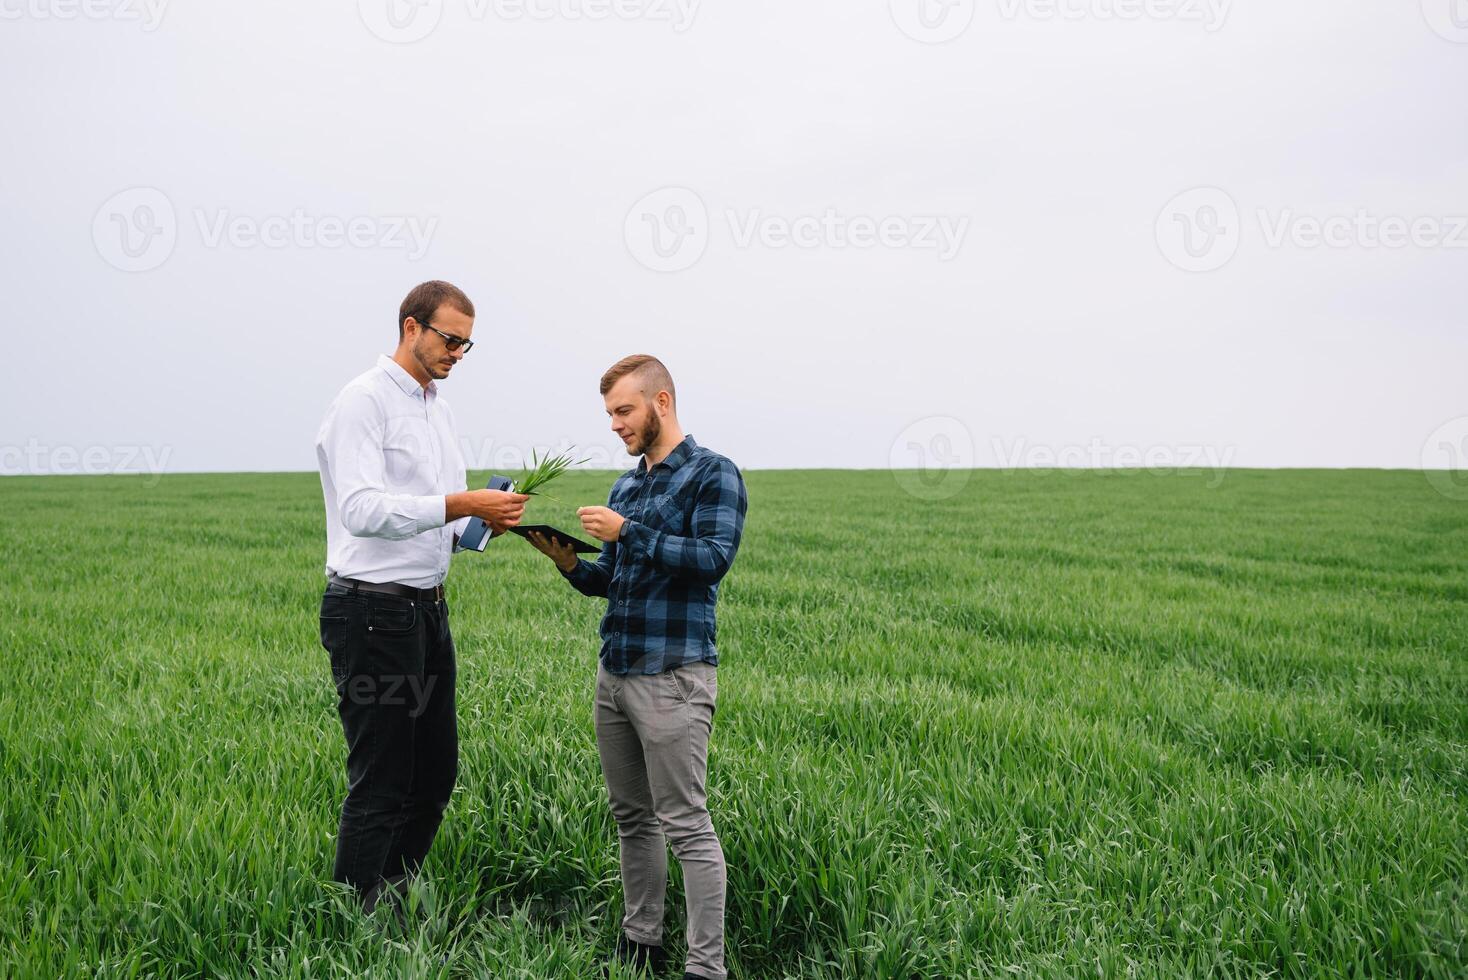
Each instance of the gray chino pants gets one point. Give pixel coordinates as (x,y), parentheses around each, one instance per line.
(652,731)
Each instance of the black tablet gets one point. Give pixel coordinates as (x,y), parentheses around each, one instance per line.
(559,537)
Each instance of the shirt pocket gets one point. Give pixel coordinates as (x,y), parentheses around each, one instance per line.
(665,514)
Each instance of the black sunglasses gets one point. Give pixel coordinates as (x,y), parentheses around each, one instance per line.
(449,340)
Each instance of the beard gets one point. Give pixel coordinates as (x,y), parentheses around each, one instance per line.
(434,366)
(647,437)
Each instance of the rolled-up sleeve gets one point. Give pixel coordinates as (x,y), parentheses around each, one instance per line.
(351,450)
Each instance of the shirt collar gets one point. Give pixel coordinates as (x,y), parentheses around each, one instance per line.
(674,459)
(404,380)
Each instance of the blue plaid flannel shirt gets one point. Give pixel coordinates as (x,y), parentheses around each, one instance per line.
(661,576)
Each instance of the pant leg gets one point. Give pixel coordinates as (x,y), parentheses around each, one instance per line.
(674,713)
(430,699)
(644,853)
(375,643)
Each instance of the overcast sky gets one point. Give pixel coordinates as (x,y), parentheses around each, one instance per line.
(859,232)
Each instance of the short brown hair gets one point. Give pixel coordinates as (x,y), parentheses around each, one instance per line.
(424,299)
(653,374)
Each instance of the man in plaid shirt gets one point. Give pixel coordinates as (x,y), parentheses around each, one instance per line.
(670,530)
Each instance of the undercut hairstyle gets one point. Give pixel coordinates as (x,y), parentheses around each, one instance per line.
(652,376)
(424,299)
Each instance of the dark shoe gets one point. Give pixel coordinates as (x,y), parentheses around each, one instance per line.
(393,893)
(639,956)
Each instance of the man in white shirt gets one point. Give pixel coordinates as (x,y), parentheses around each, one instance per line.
(396,500)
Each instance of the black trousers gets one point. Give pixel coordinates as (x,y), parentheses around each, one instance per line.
(392,660)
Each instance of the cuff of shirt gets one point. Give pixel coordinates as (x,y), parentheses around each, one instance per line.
(639,539)
(457,527)
(576,574)
(434,513)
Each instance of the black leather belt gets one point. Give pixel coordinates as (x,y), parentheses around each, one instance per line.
(435,594)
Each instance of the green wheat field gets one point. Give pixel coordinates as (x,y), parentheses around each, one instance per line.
(1096,724)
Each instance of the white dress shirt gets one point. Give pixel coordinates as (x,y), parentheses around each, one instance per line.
(388,454)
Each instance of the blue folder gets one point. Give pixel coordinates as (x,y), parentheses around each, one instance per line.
(476,532)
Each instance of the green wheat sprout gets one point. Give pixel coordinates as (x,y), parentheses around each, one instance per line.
(543,471)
